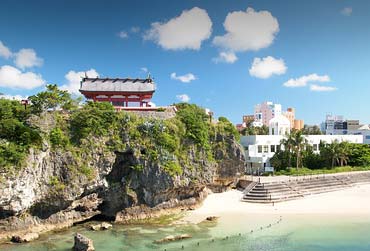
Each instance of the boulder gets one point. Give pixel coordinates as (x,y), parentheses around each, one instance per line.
(101,226)
(170,238)
(211,218)
(25,238)
(82,243)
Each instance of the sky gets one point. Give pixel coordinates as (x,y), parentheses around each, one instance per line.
(226,55)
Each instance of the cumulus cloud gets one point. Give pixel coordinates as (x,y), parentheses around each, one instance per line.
(5,51)
(144,69)
(322,88)
(123,34)
(186,31)
(225,57)
(74,78)
(25,58)
(249,30)
(304,80)
(266,67)
(183,98)
(12,97)
(187,78)
(11,77)
(346,11)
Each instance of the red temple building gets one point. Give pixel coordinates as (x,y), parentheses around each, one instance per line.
(123,93)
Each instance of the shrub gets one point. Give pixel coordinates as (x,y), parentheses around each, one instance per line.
(57,138)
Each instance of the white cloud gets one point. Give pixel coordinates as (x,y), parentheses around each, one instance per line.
(11,77)
(123,34)
(249,30)
(225,57)
(322,88)
(12,97)
(144,69)
(183,98)
(302,81)
(74,78)
(186,31)
(5,51)
(346,11)
(266,67)
(187,78)
(25,58)
(135,29)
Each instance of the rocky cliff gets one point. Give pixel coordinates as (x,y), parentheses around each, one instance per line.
(59,186)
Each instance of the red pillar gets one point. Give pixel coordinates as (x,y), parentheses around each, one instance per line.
(126,97)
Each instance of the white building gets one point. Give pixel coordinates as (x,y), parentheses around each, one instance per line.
(260,148)
(337,125)
(266,111)
(279,125)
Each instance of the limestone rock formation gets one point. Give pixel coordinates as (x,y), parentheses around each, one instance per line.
(82,243)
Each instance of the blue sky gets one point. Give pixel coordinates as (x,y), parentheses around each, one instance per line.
(319,47)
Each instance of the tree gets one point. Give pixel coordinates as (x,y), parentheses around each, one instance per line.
(288,142)
(330,151)
(314,130)
(299,143)
(344,151)
(52,98)
(196,123)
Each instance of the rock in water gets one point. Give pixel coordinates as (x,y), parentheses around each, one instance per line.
(82,243)
(211,218)
(25,238)
(170,238)
(101,226)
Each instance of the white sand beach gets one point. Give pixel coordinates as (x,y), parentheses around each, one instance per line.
(350,201)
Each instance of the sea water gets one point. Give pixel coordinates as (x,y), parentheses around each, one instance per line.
(233,232)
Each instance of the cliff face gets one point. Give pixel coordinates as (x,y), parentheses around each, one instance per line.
(59,187)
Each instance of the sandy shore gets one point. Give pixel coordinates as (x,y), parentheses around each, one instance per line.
(351,201)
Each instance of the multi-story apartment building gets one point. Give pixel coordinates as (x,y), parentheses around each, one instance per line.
(266,111)
(296,124)
(337,125)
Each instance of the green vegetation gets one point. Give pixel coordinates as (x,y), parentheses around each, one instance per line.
(307,171)
(16,136)
(251,130)
(170,143)
(332,157)
(52,98)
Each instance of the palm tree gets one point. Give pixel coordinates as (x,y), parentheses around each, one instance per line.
(299,143)
(333,152)
(344,151)
(287,142)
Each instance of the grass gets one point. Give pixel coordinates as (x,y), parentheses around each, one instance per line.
(307,171)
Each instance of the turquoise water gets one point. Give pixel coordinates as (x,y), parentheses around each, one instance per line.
(288,233)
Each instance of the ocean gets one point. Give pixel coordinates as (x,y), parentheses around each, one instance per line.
(233,232)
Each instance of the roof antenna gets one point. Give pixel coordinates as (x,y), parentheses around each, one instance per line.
(148,77)
(86,75)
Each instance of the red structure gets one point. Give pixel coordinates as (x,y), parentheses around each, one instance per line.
(121,92)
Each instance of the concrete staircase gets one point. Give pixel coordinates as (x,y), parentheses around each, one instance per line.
(300,187)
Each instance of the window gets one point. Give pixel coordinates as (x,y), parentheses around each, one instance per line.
(265,149)
(315,147)
(367,137)
(272,148)
(259,149)
(246,148)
